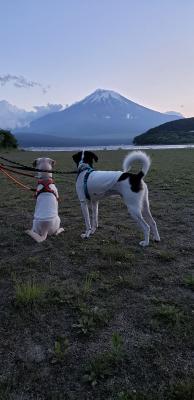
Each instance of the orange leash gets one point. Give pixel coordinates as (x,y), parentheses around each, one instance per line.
(7,168)
(16,181)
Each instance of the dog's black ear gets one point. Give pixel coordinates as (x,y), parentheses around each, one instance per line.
(77,157)
(34,163)
(95,157)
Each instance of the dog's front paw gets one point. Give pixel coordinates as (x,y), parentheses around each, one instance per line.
(60,230)
(86,234)
(28,231)
(144,243)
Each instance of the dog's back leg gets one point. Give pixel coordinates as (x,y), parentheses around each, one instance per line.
(60,230)
(38,238)
(94,206)
(148,217)
(137,216)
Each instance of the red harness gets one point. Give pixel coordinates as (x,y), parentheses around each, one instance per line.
(46,187)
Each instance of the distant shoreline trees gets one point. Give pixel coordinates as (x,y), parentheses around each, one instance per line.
(7,140)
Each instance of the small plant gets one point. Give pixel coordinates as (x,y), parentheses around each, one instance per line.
(32,261)
(117,346)
(127,281)
(28,293)
(116,254)
(98,369)
(132,396)
(5,388)
(87,284)
(166,256)
(90,319)
(170,315)
(90,278)
(105,364)
(182,391)
(189,281)
(85,324)
(61,347)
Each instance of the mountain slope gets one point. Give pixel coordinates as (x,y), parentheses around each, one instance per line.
(175,132)
(102,117)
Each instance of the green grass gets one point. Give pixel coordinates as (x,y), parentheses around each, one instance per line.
(189,281)
(132,396)
(103,309)
(105,364)
(169,315)
(89,319)
(183,390)
(61,347)
(28,293)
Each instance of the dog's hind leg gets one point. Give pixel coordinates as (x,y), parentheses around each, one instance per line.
(60,230)
(148,217)
(86,215)
(94,205)
(38,238)
(137,216)
(56,227)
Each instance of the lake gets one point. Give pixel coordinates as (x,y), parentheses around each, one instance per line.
(115,147)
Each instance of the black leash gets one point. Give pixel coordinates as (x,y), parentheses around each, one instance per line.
(18,165)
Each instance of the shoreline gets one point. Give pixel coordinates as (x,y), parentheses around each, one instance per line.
(108,148)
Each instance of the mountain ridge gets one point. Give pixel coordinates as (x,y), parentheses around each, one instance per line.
(103,116)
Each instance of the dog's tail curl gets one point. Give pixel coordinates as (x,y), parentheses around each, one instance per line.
(134,156)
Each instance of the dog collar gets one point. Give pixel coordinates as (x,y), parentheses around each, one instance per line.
(84,167)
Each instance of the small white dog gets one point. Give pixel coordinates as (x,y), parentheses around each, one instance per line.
(46,220)
(92,185)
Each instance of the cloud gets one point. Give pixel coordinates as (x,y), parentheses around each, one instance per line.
(49,108)
(20,81)
(12,117)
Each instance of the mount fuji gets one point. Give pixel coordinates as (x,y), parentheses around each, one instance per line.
(102,118)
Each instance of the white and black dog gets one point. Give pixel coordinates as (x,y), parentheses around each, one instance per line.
(46,220)
(92,185)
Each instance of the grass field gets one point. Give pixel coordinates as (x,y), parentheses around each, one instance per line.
(99,319)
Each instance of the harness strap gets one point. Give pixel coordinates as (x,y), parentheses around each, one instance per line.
(86,176)
(46,188)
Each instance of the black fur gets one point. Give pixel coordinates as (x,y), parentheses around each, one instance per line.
(134,180)
(89,156)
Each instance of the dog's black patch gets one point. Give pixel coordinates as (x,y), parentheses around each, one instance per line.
(89,156)
(134,180)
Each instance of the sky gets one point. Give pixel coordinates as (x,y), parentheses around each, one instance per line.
(59,51)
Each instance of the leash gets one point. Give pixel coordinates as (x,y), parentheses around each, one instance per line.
(18,165)
(8,168)
(16,181)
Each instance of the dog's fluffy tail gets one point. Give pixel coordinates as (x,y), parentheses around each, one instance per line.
(137,156)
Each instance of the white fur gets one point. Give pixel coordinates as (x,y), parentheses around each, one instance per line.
(137,203)
(137,156)
(46,220)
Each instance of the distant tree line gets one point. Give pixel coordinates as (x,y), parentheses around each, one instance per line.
(7,139)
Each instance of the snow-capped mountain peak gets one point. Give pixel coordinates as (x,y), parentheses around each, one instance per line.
(102,95)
